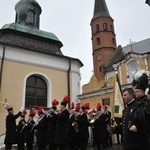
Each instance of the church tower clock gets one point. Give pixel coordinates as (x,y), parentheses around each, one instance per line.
(103,38)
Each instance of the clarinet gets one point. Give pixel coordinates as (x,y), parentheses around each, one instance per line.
(38,120)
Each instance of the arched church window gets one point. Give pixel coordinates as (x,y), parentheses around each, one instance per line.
(98,41)
(97,28)
(132,68)
(36,92)
(105,26)
(30,17)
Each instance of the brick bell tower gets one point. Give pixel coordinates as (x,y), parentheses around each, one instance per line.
(103,38)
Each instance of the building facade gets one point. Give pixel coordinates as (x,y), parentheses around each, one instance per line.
(33,70)
(109,59)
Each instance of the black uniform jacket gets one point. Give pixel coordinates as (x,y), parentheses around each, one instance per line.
(11,128)
(41,131)
(51,128)
(133,114)
(61,127)
(29,132)
(72,134)
(21,131)
(83,127)
(100,130)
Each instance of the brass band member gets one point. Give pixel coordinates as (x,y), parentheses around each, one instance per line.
(72,129)
(21,131)
(108,124)
(83,134)
(100,131)
(41,126)
(51,126)
(10,137)
(29,132)
(61,126)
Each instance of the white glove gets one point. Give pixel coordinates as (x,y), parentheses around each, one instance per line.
(21,109)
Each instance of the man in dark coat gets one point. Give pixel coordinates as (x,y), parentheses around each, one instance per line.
(10,137)
(135,136)
(100,131)
(72,130)
(83,134)
(30,131)
(51,128)
(21,132)
(61,127)
(41,126)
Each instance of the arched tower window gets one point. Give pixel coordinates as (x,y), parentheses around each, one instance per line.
(105,26)
(98,41)
(111,27)
(97,28)
(113,41)
(30,17)
(132,68)
(36,92)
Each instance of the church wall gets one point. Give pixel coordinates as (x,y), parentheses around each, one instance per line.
(20,64)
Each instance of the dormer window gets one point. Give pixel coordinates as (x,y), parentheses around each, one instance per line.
(30,17)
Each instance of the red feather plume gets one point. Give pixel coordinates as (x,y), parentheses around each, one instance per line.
(99,106)
(40,109)
(32,112)
(66,99)
(87,106)
(72,105)
(55,102)
(93,111)
(24,112)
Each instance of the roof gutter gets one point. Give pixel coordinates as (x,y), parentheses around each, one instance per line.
(68,80)
(1,69)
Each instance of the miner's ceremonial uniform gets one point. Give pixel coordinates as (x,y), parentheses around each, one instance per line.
(133,114)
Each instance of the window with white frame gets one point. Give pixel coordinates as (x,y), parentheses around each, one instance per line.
(36,91)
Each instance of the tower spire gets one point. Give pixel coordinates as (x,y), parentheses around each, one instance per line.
(103,38)
(100,9)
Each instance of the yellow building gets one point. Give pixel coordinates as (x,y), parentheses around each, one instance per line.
(33,70)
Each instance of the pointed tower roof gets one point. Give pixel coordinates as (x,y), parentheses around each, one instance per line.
(100,9)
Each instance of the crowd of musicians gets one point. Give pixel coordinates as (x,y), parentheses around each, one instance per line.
(61,129)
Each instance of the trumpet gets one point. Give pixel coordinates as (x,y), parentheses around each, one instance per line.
(95,116)
(75,124)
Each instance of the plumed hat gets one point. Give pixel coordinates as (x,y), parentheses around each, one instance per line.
(32,113)
(140,88)
(140,80)
(66,100)
(55,102)
(9,109)
(87,106)
(83,108)
(93,111)
(40,110)
(98,106)
(24,113)
(6,105)
(72,105)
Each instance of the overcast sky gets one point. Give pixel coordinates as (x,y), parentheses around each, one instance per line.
(70,21)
